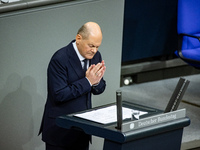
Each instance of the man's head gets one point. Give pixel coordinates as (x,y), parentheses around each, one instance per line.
(88,39)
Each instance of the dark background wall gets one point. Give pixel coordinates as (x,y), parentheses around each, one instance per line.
(149,29)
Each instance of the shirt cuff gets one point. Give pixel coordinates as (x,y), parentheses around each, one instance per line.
(91,84)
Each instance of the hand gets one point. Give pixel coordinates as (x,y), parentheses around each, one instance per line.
(96,72)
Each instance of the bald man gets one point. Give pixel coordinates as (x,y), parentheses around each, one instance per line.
(74,73)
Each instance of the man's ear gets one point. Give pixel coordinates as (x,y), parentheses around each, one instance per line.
(78,37)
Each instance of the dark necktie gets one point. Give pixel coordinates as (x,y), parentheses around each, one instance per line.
(85,65)
(88,95)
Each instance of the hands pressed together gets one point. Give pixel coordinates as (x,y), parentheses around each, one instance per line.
(96,72)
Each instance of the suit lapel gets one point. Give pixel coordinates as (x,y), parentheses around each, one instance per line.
(74,61)
(93,61)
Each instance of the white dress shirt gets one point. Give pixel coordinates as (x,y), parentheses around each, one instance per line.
(81,58)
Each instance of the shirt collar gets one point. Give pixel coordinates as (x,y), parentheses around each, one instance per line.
(77,51)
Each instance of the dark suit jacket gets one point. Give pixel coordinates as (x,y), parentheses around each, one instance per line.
(68,92)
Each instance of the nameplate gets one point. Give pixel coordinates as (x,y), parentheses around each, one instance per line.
(153,120)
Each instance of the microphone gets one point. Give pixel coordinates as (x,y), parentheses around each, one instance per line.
(119,109)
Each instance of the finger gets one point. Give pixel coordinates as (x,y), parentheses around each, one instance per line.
(97,67)
(103,62)
(101,71)
(91,67)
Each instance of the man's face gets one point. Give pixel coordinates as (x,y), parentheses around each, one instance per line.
(88,47)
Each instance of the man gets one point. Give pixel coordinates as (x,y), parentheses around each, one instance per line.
(70,87)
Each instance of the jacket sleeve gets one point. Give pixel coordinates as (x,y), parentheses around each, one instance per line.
(59,86)
(99,88)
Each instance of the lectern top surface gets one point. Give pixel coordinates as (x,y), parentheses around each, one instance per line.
(107,115)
